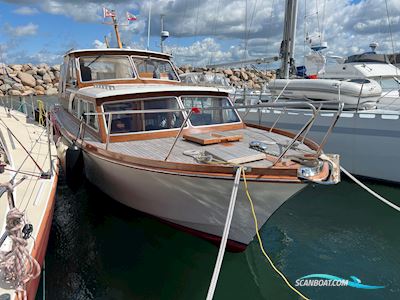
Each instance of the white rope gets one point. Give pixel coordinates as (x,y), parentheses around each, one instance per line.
(376,195)
(224,239)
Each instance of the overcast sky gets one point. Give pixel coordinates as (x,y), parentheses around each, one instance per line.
(202,31)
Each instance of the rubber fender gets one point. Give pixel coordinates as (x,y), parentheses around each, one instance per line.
(74,167)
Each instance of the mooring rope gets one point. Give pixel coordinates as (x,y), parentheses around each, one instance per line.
(18,264)
(261,244)
(375,194)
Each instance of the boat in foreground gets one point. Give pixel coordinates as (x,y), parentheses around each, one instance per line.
(28,177)
(171,150)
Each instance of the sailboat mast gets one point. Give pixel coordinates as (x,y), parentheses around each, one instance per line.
(288,42)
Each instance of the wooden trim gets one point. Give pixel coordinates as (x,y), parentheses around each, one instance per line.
(42,239)
(127,81)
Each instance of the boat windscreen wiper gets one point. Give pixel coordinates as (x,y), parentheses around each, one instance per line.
(94,60)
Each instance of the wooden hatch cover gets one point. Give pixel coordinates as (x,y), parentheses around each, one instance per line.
(212,138)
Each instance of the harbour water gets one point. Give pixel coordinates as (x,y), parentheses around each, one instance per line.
(100,249)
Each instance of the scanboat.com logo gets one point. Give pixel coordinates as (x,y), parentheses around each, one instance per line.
(334,281)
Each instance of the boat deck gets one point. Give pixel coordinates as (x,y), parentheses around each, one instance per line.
(34,195)
(157,149)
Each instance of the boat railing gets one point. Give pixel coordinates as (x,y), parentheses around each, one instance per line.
(301,133)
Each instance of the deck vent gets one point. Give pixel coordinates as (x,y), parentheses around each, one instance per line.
(105,87)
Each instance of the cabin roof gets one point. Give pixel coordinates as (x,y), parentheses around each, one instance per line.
(110,90)
(123,50)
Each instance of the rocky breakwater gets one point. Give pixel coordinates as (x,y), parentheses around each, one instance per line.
(28,79)
(237,77)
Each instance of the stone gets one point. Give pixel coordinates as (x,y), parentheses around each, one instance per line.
(1,94)
(14,93)
(228,72)
(8,80)
(48,86)
(234,78)
(18,87)
(56,68)
(257,86)
(47,78)
(244,76)
(5,87)
(52,77)
(27,79)
(41,72)
(16,68)
(40,93)
(57,75)
(32,72)
(39,88)
(56,85)
(39,82)
(43,66)
(51,92)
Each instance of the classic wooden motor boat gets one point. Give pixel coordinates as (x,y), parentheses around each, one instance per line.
(28,177)
(171,150)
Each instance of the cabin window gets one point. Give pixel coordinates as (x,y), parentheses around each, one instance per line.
(85,107)
(154,68)
(130,123)
(74,107)
(105,67)
(92,119)
(207,115)
(71,72)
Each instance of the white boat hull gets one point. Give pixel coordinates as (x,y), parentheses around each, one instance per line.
(197,203)
(368,142)
(351,93)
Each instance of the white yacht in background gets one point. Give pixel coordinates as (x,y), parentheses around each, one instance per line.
(368,140)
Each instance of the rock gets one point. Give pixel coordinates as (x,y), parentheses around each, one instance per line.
(228,72)
(41,72)
(1,94)
(7,80)
(14,93)
(56,68)
(57,75)
(16,68)
(39,82)
(27,79)
(56,85)
(18,87)
(40,93)
(257,86)
(5,87)
(47,78)
(244,76)
(39,88)
(28,92)
(43,66)
(15,78)
(37,77)
(52,75)
(31,72)
(234,79)
(48,86)
(51,92)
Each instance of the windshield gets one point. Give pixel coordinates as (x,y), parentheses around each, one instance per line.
(105,67)
(128,123)
(389,84)
(154,68)
(210,116)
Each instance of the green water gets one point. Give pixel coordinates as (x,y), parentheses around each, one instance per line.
(100,249)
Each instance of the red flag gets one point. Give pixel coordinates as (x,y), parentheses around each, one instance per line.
(130,17)
(108,13)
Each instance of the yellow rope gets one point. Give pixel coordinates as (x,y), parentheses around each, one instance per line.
(261,244)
